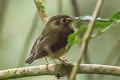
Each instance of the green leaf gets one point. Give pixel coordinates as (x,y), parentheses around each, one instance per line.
(71,37)
(116,16)
(101,26)
(81,30)
(77,41)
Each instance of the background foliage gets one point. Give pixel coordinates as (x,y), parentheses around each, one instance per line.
(20,24)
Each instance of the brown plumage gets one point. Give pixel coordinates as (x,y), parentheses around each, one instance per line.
(54,36)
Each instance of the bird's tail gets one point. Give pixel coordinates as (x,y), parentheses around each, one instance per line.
(30,59)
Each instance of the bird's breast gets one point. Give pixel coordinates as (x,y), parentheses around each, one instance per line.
(58,53)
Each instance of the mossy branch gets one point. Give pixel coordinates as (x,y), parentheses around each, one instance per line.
(53,68)
(41,10)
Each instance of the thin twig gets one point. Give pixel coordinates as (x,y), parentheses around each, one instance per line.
(41,70)
(86,38)
(1,14)
(60,7)
(42,11)
(1,9)
(76,9)
(118,60)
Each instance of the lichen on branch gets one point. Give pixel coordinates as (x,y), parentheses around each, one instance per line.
(42,11)
(64,70)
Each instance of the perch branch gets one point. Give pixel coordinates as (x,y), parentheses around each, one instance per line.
(41,70)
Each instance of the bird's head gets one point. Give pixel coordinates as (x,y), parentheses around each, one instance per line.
(61,21)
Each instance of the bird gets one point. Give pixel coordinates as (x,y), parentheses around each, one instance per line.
(53,39)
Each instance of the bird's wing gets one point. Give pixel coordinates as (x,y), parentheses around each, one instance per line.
(38,50)
(54,42)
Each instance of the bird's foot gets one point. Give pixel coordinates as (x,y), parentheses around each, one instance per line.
(47,67)
(63,60)
(46,64)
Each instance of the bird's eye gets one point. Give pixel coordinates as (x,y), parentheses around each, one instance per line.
(64,20)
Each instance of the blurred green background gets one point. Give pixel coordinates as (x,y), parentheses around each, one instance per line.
(20,24)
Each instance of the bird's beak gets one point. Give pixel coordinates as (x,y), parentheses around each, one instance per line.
(71,21)
(75,18)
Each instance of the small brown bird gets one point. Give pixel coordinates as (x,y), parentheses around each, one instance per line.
(53,39)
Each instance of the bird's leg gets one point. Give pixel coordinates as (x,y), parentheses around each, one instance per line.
(63,60)
(46,63)
(48,50)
